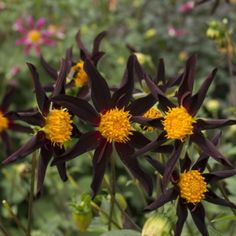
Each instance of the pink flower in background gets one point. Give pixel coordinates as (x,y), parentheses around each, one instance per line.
(33,34)
(173,32)
(186,7)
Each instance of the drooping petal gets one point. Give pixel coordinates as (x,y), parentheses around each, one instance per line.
(188,78)
(141,105)
(201,162)
(138,139)
(182,214)
(100,92)
(199,97)
(125,150)
(42,99)
(44,158)
(209,148)
(213,198)
(6,141)
(171,163)
(87,142)
(33,144)
(213,123)
(156,164)
(122,96)
(198,215)
(100,159)
(219,175)
(10,89)
(32,118)
(169,195)
(48,68)
(21,128)
(79,107)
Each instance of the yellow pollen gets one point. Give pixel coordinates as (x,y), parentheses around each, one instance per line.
(34,36)
(192,186)
(115,125)
(58,127)
(152,113)
(4,122)
(178,124)
(79,75)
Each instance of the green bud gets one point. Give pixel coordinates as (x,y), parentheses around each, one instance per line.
(82,220)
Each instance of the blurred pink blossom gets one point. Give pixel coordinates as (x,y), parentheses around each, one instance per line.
(174,32)
(33,34)
(186,7)
(14,70)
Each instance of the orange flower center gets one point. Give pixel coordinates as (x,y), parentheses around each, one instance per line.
(34,36)
(4,122)
(79,75)
(152,113)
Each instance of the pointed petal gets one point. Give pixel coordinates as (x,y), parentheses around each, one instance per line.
(48,68)
(169,195)
(160,72)
(6,141)
(10,89)
(156,164)
(188,77)
(141,105)
(87,142)
(32,118)
(182,214)
(213,198)
(198,215)
(138,139)
(42,99)
(209,148)
(199,97)
(171,163)
(185,163)
(219,175)
(78,107)
(44,158)
(33,144)
(122,96)
(124,151)
(201,162)
(100,159)
(213,123)
(100,92)
(97,42)
(21,128)
(84,52)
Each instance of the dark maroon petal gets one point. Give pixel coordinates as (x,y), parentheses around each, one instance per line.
(141,105)
(219,175)
(42,99)
(60,83)
(44,158)
(33,144)
(100,92)
(213,123)
(32,118)
(138,139)
(100,159)
(201,162)
(171,163)
(164,149)
(48,68)
(125,150)
(185,163)
(198,215)
(169,195)
(21,128)
(83,51)
(213,198)
(122,96)
(174,81)
(156,164)
(87,142)
(182,214)
(160,72)
(84,93)
(6,141)
(209,148)
(78,107)
(10,89)
(199,97)
(188,78)
(97,42)
(75,132)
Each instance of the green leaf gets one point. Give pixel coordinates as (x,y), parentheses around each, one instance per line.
(122,233)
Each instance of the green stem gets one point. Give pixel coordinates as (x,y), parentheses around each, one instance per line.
(31,196)
(112,190)
(14,217)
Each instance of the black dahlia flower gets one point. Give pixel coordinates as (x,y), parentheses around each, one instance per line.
(190,188)
(53,124)
(8,118)
(112,118)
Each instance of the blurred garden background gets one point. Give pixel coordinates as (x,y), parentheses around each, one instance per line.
(153,29)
